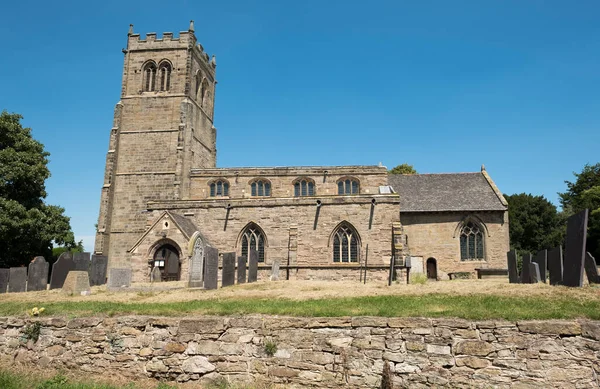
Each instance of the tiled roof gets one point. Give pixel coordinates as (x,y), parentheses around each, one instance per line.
(447,192)
(186,225)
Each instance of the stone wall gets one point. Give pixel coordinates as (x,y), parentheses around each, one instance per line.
(316,352)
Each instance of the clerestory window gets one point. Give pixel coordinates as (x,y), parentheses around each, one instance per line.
(348,186)
(304,187)
(260,188)
(219,188)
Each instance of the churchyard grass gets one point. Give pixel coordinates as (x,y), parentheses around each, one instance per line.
(468,299)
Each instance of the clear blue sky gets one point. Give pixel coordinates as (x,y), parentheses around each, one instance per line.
(442,85)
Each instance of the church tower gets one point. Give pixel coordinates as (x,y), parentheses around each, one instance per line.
(162,128)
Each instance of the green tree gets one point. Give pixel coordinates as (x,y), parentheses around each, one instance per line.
(535,224)
(28,226)
(585,193)
(403,169)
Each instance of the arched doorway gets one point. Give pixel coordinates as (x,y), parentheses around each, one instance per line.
(432,269)
(166,258)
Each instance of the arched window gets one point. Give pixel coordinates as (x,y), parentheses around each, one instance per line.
(261,188)
(471,242)
(348,186)
(149,77)
(219,188)
(203,93)
(165,76)
(345,244)
(304,187)
(253,237)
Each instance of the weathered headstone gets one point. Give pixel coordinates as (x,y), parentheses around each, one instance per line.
(526,269)
(415,264)
(575,249)
(241,270)
(591,269)
(555,265)
(211,270)
(82,261)
(4,280)
(77,283)
(155,274)
(513,271)
(275,270)
(119,278)
(17,279)
(60,269)
(37,274)
(534,271)
(98,270)
(541,258)
(228,275)
(196,272)
(253,266)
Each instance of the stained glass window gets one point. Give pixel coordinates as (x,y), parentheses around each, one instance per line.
(348,186)
(253,238)
(219,188)
(345,244)
(304,187)
(261,188)
(471,243)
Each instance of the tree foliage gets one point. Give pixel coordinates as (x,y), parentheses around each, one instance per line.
(535,224)
(585,193)
(403,169)
(28,225)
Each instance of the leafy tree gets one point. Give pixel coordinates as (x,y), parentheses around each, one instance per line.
(585,193)
(403,169)
(535,223)
(28,225)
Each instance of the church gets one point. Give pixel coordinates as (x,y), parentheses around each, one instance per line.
(164,199)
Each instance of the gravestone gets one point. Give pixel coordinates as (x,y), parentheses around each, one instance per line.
(534,271)
(526,269)
(275,270)
(513,271)
(82,261)
(155,274)
(591,269)
(119,278)
(241,270)
(37,274)
(60,269)
(98,270)
(17,279)
(211,270)
(415,264)
(541,258)
(575,249)
(253,266)
(228,275)
(555,265)
(77,283)
(196,272)
(4,280)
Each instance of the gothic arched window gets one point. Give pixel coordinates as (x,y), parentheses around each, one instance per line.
(471,242)
(345,244)
(219,188)
(260,188)
(304,187)
(164,72)
(149,77)
(348,186)
(253,237)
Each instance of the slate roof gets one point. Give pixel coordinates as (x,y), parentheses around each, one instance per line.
(185,224)
(447,192)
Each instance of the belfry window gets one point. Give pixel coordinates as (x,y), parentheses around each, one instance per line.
(149,77)
(348,186)
(261,188)
(219,188)
(165,76)
(471,243)
(253,238)
(345,244)
(304,187)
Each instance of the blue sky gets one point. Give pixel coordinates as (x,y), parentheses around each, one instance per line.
(443,85)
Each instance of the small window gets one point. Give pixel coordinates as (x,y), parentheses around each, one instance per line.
(149,77)
(261,188)
(165,76)
(345,244)
(304,187)
(471,243)
(348,186)
(219,188)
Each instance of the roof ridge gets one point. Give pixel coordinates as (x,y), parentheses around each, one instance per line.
(433,174)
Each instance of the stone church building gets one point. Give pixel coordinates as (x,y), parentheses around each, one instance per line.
(163,198)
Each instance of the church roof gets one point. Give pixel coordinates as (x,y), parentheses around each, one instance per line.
(186,225)
(447,192)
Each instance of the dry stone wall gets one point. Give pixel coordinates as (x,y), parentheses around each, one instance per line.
(315,352)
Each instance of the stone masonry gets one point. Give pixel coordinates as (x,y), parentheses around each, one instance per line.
(344,352)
